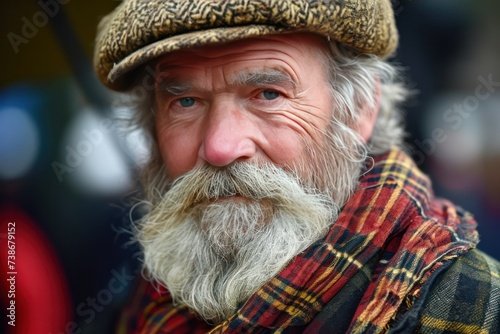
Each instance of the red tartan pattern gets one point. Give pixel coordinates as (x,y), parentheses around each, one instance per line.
(393,212)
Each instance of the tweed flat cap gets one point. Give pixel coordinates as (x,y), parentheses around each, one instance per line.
(138,31)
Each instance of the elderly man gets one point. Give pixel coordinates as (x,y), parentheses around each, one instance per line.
(279,198)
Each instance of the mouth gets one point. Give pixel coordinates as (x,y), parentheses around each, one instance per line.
(235,198)
(222,199)
(266,206)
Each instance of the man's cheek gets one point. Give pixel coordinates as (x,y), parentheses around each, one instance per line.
(179,158)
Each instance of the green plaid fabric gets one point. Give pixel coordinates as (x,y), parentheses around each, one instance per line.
(464,299)
(389,259)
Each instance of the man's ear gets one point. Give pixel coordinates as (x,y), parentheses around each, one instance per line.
(369,115)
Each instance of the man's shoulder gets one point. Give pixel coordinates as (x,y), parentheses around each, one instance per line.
(464,298)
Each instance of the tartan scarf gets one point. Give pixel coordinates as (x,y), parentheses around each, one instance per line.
(392,221)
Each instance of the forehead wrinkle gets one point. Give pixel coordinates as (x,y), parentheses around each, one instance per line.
(266,75)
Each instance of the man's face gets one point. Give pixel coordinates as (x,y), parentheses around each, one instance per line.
(243,120)
(255,100)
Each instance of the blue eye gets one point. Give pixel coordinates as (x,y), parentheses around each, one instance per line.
(186,102)
(270,94)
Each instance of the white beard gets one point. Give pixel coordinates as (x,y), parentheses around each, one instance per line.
(213,250)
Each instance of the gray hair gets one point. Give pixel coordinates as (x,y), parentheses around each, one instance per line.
(353,79)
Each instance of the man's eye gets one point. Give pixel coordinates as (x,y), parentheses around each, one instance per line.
(186,102)
(269,94)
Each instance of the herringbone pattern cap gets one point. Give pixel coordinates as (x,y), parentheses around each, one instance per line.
(138,31)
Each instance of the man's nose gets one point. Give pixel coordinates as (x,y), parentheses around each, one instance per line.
(229,135)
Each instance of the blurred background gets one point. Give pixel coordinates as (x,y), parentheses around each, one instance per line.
(67,171)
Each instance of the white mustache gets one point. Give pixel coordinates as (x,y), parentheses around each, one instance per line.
(256,182)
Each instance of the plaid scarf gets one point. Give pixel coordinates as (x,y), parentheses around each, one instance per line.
(389,239)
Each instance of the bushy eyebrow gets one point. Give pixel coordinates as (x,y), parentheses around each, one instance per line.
(173,87)
(262,78)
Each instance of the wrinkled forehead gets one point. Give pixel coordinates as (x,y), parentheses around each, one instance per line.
(270,58)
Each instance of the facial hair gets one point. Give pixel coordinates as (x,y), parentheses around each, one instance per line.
(218,234)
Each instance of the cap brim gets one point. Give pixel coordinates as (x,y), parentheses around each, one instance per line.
(117,77)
